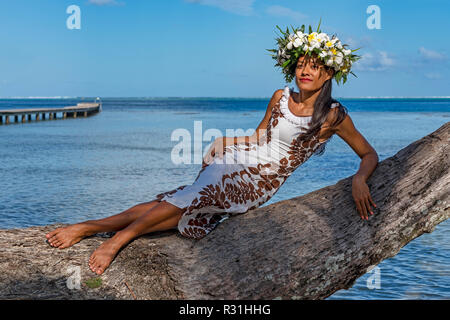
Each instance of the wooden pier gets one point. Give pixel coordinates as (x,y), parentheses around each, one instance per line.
(80,110)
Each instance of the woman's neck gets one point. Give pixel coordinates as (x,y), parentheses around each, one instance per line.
(306,99)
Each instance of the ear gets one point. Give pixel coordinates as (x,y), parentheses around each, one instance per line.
(330,73)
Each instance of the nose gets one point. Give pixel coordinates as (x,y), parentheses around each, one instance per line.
(304,69)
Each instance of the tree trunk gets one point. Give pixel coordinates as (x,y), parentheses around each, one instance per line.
(307,247)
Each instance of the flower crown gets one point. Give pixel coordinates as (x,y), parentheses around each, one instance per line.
(332,52)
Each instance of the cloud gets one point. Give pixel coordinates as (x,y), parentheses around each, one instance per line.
(241,7)
(374,62)
(433,75)
(280,11)
(106,2)
(429,55)
(354,43)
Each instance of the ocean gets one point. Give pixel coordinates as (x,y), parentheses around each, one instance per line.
(79,169)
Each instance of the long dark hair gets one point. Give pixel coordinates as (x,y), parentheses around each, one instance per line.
(322,106)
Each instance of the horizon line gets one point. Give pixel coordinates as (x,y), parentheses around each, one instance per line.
(206,97)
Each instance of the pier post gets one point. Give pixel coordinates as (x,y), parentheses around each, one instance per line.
(85,114)
(37,116)
(51,115)
(23,118)
(75,114)
(7,119)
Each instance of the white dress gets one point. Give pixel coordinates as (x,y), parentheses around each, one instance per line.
(246,175)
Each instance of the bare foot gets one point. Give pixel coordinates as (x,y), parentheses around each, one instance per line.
(102,257)
(67,236)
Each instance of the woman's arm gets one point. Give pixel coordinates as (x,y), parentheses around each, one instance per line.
(261,129)
(369,161)
(222,142)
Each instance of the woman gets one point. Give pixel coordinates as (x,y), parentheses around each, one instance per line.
(241,173)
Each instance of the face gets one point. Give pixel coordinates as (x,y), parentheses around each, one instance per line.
(311,68)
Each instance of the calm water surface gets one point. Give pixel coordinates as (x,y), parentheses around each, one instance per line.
(78,169)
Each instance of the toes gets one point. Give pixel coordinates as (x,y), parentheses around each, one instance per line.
(53,238)
(92,263)
(51,243)
(50,234)
(63,245)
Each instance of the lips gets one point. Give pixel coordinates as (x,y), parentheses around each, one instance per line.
(305,79)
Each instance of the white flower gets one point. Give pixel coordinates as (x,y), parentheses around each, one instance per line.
(298,42)
(315,44)
(284,54)
(289,45)
(300,34)
(347,52)
(322,37)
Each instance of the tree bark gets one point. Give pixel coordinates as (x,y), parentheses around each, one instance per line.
(307,247)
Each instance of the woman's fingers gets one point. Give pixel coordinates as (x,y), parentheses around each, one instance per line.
(360,211)
(371,201)
(362,205)
(369,209)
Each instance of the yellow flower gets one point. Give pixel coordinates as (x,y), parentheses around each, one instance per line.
(329,44)
(334,51)
(311,37)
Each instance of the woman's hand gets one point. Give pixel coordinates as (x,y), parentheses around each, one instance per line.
(217,148)
(361,195)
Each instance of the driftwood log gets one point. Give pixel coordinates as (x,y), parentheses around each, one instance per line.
(307,247)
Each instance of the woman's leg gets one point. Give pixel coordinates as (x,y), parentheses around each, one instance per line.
(67,236)
(161,217)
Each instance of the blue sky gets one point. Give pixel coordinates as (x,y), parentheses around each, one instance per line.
(213,48)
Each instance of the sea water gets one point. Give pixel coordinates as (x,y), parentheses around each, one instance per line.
(68,171)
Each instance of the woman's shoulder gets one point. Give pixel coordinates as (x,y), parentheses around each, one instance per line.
(338,112)
(276,97)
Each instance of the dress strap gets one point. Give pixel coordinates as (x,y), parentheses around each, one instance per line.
(334,105)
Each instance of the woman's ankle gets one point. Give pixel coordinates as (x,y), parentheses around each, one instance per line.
(88,228)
